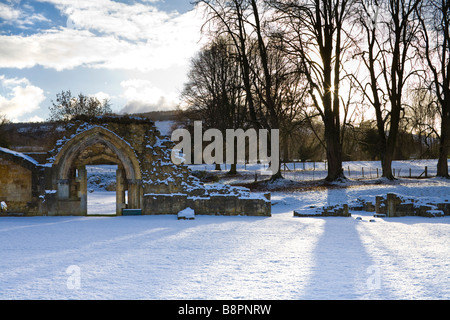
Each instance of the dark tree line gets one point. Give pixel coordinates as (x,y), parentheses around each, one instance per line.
(266,83)
(284,64)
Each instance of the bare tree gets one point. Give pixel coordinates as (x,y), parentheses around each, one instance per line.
(390,28)
(3,121)
(214,88)
(264,70)
(423,117)
(229,18)
(287,90)
(434,18)
(316,35)
(68,107)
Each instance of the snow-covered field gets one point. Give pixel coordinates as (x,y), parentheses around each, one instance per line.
(219,257)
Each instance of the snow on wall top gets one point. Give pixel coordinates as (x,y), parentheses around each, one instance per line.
(19,154)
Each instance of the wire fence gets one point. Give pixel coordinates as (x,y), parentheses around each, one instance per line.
(298,171)
(317,170)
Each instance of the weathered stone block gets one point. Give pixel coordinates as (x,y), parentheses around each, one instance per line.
(380,205)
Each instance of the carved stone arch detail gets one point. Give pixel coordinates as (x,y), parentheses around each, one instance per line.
(63,164)
(74,146)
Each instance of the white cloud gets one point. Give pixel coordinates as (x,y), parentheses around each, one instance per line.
(20,99)
(143,96)
(58,49)
(101,95)
(20,17)
(107,34)
(8,13)
(11,82)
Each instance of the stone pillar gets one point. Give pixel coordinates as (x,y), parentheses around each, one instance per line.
(134,192)
(378,204)
(131,191)
(390,204)
(63,189)
(120,191)
(82,178)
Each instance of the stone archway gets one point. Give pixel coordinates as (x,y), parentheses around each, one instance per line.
(55,183)
(70,175)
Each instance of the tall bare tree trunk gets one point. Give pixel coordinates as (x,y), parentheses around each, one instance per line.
(387,58)
(316,29)
(268,96)
(438,24)
(444,146)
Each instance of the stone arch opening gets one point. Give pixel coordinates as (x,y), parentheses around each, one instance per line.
(101,146)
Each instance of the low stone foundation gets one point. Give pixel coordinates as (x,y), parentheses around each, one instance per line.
(394,205)
(329,211)
(391,205)
(227,205)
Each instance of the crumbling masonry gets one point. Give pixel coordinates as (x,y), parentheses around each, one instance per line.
(55,183)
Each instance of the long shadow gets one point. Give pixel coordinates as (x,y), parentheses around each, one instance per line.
(343,268)
(138,252)
(341,263)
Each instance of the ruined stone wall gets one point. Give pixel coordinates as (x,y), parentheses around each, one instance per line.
(228,205)
(395,205)
(15,185)
(152,150)
(143,155)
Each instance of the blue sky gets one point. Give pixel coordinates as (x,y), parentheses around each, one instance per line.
(135,53)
